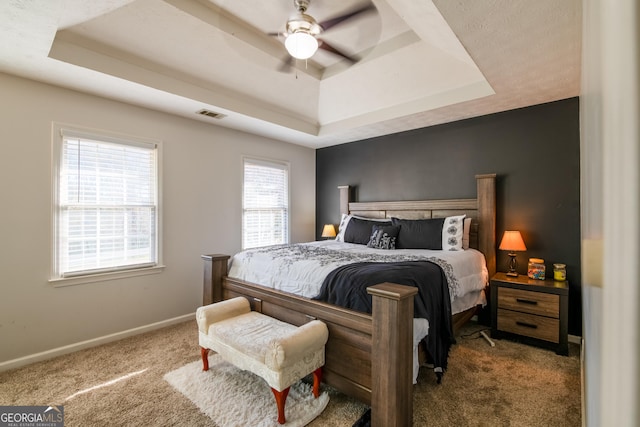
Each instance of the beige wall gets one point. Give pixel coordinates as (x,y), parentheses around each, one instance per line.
(610,160)
(202,174)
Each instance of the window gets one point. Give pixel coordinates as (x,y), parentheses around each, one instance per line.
(105,204)
(265,214)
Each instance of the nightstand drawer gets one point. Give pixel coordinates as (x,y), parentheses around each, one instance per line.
(544,328)
(529,302)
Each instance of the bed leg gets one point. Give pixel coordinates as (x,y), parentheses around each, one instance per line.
(392,355)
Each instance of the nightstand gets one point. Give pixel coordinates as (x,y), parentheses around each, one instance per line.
(533,311)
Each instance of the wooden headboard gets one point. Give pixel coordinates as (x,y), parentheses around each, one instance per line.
(481,210)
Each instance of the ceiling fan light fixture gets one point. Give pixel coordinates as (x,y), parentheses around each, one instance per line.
(301,44)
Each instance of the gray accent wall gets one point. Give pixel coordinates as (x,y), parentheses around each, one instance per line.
(535,152)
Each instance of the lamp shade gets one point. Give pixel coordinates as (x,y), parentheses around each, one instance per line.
(329,231)
(512,241)
(301,45)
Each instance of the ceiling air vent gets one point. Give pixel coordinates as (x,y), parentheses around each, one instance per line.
(210,113)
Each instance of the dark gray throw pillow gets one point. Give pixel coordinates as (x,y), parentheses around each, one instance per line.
(383,237)
(359,230)
(419,233)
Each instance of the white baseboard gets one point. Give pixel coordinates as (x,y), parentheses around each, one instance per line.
(575,339)
(32,358)
(583,388)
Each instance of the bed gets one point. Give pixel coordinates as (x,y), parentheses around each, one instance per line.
(369,357)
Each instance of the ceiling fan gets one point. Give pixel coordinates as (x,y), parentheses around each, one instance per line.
(303,34)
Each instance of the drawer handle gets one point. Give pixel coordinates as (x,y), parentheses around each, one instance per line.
(310,317)
(527,301)
(527,325)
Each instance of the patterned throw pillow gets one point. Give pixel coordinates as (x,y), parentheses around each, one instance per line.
(342,227)
(383,237)
(452,232)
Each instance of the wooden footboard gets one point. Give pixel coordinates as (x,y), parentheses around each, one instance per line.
(368,357)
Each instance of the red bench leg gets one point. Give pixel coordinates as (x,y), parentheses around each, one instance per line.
(205,359)
(281,398)
(317,379)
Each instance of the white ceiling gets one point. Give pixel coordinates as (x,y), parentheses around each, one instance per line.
(423,62)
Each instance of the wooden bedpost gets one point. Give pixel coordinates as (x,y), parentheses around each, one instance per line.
(392,361)
(215,268)
(486,185)
(344,199)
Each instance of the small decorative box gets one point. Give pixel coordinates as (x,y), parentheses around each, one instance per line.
(536,268)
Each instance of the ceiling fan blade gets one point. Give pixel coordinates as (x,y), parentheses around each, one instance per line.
(287,65)
(338,19)
(326,46)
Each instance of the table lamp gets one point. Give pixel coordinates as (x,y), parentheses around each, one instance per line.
(512,242)
(328,231)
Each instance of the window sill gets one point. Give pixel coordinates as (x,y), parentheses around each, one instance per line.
(102,277)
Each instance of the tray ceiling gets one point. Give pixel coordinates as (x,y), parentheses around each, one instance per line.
(423,63)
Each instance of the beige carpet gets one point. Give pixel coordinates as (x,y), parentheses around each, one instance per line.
(122,384)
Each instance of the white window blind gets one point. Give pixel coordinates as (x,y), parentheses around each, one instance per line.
(265,218)
(106,215)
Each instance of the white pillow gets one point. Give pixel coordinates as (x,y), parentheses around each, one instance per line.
(465,235)
(452,232)
(342,227)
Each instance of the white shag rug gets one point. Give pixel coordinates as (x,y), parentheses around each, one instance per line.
(235,398)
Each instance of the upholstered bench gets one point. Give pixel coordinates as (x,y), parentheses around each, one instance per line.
(278,352)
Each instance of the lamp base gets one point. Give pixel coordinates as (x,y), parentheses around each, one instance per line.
(513,265)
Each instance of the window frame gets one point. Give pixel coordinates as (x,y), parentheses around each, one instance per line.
(276,164)
(56,278)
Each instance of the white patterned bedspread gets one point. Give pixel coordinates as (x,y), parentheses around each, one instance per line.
(301,268)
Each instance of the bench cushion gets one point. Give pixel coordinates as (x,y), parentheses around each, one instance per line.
(255,334)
